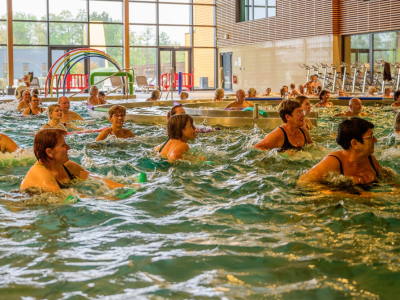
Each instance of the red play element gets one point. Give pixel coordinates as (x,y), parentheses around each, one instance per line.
(187,81)
(74,81)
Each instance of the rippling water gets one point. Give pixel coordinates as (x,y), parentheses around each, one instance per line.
(237,230)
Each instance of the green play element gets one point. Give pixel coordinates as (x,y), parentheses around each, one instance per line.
(100,109)
(106,74)
(126,194)
(72,199)
(104,122)
(284,155)
(210,163)
(142,177)
(261,112)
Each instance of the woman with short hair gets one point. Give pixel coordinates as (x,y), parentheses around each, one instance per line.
(324,99)
(290,136)
(219,95)
(55,115)
(25,101)
(175,110)
(53,170)
(34,109)
(355,160)
(94,97)
(306,107)
(117,115)
(155,95)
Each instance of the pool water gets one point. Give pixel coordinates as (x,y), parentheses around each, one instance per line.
(238,230)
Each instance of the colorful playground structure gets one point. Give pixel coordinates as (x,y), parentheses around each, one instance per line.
(187,80)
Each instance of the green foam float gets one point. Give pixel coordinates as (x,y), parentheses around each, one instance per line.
(261,112)
(126,194)
(101,109)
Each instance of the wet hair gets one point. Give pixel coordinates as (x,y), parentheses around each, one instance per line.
(116,108)
(287,107)
(292,86)
(322,93)
(372,89)
(251,90)
(350,129)
(176,124)
(35,92)
(396,95)
(102,94)
(268,89)
(397,121)
(184,94)
(46,138)
(153,94)
(218,93)
(301,98)
(35,96)
(91,89)
(173,110)
(51,108)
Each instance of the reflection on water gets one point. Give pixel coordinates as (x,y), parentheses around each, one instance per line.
(237,230)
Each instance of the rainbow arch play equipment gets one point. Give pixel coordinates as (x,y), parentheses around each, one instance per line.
(73,57)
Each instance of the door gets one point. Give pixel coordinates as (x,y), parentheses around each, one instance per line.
(226,63)
(81,67)
(177,59)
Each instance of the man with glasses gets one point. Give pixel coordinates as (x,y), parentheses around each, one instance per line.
(355,109)
(355,161)
(117,118)
(291,136)
(67,115)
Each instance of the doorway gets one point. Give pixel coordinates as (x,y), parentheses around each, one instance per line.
(226,63)
(178,59)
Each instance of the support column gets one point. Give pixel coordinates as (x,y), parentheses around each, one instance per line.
(126,33)
(10,50)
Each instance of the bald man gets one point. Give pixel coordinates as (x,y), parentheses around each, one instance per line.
(355,109)
(240,102)
(67,115)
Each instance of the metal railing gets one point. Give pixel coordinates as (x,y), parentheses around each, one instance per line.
(170,75)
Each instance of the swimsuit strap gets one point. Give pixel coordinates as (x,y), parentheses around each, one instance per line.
(159,151)
(71,177)
(341,166)
(30,111)
(372,164)
(305,139)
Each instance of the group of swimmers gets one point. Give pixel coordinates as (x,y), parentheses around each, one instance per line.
(53,170)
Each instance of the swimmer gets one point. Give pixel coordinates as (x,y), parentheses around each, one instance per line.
(67,115)
(267,92)
(34,109)
(55,115)
(176,110)
(180,130)
(25,101)
(53,170)
(396,97)
(301,89)
(355,160)
(293,91)
(306,107)
(355,109)
(219,95)
(240,102)
(183,95)
(117,115)
(252,93)
(324,99)
(387,93)
(341,93)
(371,91)
(7,144)
(290,136)
(155,95)
(94,97)
(397,123)
(102,96)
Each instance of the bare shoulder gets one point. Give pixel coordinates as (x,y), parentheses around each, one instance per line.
(376,162)
(129,133)
(103,134)
(76,169)
(26,111)
(251,104)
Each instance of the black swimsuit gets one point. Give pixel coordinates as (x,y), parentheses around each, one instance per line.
(287,145)
(341,165)
(31,112)
(71,177)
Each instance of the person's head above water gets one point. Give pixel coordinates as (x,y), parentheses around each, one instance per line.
(396,96)
(55,111)
(356,134)
(324,95)
(180,127)
(155,95)
(175,110)
(94,91)
(183,95)
(50,145)
(252,93)
(305,103)
(117,115)
(219,93)
(355,106)
(397,122)
(35,101)
(26,96)
(291,112)
(341,93)
(240,95)
(371,90)
(268,91)
(387,91)
(64,103)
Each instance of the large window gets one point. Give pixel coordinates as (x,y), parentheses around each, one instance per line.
(3,44)
(256,9)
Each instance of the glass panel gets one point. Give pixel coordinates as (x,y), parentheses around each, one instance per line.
(203,15)
(174,14)
(72,10)
(259,2)
(142,35)
(180,1)
(3,67)
(387,46)
(142,13)
(143,61)
(356,48)
(68,34)
(203,37)
(204,62)
(105,11)
(174,36)
(182,59)
(30,33)
(203,1)
(271,2)
(3,10)
(102,65)
(105,34)
(271,12)
(29,10)
(30,59)
(360,41)
(3,32)
(165,63)
(259,13)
